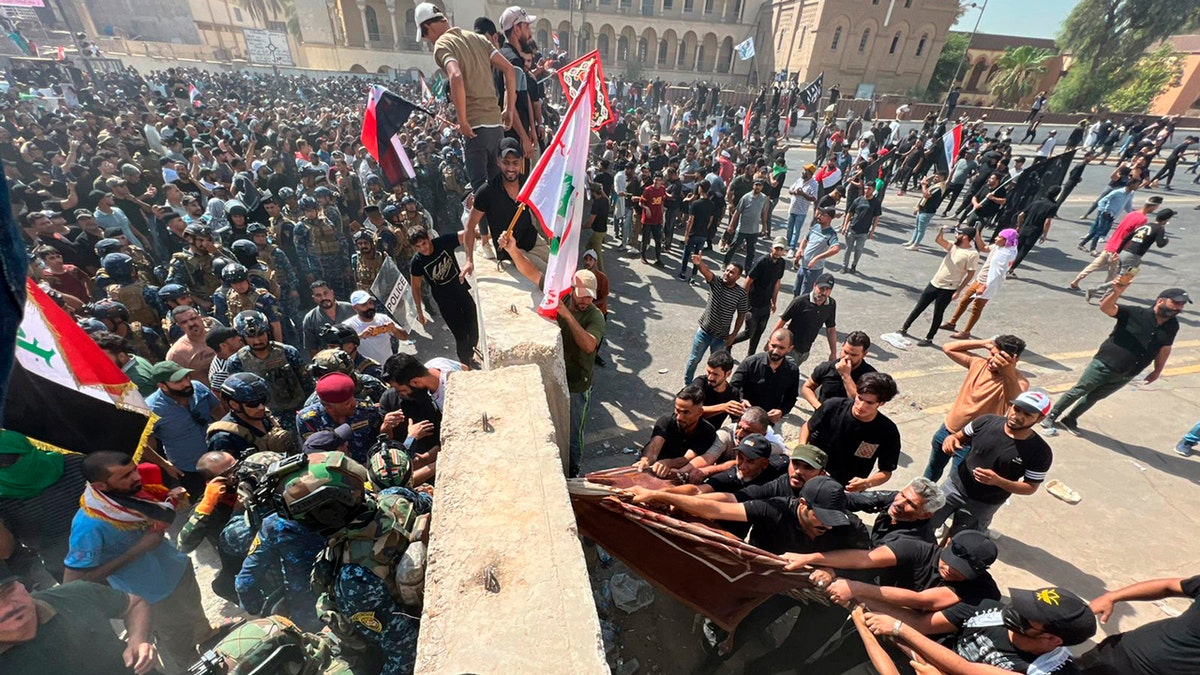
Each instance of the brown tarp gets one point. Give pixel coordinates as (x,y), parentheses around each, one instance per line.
(702,566)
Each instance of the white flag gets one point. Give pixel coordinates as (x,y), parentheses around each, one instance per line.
(745,49)
(555,190)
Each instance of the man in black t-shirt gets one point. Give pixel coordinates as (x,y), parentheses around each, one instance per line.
(722,400)
(806,315)
(762,287)
(597,222)
(863,217)
(702,213)
(1006,457)
(1165,647)
(1033,225)
(435,262)
(856,436)
(496,200)
(839,378)
(905,513)
(678,438)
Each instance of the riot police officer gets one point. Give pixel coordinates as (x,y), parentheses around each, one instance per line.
(248,426)
(278,364)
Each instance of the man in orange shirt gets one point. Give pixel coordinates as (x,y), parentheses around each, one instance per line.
(991,383)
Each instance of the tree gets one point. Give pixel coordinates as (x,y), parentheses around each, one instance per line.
(1153,74)
(268,10)
(953,53)
(1107,38)
(1018,69)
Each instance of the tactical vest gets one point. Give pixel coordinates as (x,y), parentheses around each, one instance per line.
(277,439)
(143,266)
(201,279)
(323,239)
(137,342)
(367,269)
(266,275)
(132,296)
(240,302)
(286,391)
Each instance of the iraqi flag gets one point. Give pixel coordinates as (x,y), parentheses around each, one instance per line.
(65,392)
(382,123)
(554,37)
(555,193)
(193,96)
(951,146)
(746,118)
(426,93)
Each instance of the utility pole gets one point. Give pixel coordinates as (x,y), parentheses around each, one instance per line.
(75,38)
(958,69)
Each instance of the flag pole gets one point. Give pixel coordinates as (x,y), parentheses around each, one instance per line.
(516,216)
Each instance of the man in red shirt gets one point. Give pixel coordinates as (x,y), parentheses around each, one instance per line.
(66,279)
(652,200)
(1112,248)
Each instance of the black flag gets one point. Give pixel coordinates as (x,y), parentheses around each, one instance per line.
(811,94)
(1034,183)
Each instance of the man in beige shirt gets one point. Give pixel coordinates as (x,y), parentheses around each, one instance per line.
(191,351)
(991,383)
(468,59)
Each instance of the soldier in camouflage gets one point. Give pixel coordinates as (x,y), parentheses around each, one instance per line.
(275,574)
(279,364)
(366,261)
(372,569)
(139,298)
(101,280)
(193,268)
(323,248)
(272,645)
(367,385)
(281,227)
(454,176)
(243,296)
(337,405)
(248,427)
(142,340)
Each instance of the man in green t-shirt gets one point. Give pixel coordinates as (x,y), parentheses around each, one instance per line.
(66,629)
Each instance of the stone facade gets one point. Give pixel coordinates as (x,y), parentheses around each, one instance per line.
(156,20)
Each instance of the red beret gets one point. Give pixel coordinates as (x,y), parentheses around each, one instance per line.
(335,388)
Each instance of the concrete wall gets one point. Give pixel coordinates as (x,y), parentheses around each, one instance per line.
(502,518)
(161,20)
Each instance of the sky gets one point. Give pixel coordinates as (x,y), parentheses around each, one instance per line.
(1027,18)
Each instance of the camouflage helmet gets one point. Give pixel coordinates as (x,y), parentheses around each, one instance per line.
(390,467)
(263,646)
(307,203)
(117,265)
(198,230)
(285,193)
(323,191)
(331,361)
(409,199)
(245,388)
(235,272)
(364,235)
(245,251)
(106,246)
(390,212)
(323,491)
(255,228)
(250,323)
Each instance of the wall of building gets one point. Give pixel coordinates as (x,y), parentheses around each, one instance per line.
(159,20)
(1178,100)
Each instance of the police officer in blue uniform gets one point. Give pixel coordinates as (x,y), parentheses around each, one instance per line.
(336,406)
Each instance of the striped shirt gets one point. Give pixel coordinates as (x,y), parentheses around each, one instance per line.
(723,302)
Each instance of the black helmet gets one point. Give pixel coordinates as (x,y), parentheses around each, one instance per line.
(106,246)
(171,292)
(246,253)
(307,203)
(245,388)
(285,193)
(238,209)
(256,228)
(233,272)
(390,211)
(218,264)
(337,334)
(118,265)
(110,309)
(323,192)
(409,199)
(250,323)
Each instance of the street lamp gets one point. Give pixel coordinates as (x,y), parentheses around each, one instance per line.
(958,69)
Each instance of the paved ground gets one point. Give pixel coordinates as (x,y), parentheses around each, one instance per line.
(1139,503)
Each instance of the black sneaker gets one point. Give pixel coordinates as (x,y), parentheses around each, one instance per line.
(904,332)
(601,362)
(924,342)
(1070,425)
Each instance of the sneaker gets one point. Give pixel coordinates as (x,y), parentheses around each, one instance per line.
(1091,293)
(924,342)
(1048,427)
(1070,425)
(1183,449)
(904,332)
(681,277)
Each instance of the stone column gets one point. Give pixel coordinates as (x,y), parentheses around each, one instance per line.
(335,20)
(362,14)
(396,36)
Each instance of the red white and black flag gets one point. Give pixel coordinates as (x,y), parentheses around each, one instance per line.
(384,120)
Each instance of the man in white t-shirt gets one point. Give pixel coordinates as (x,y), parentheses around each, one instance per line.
(407,375)
(375,331)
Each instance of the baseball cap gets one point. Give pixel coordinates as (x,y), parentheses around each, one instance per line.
(780,242)
(328,440)
(1035,401)
(1060,611)
(84,213)
(809,454)
(755,446)
(586,282)
(1154,199)
(1164,215)
(168,371)
(827,498)
(828,211)
(426,11)
(810,167)
(513,16)
(760,181)
(335,388)
(966,231)
(825,280)
(359,297)
(1176,295)
(511,146)
(590,253)
(970,553)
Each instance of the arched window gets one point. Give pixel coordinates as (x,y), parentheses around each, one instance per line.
(602,46)
(642,50)
(862,43)
(543,38)
(895,43)
(700,65)
(837,37)
(921,44)
(622,48)
(662,52)
(372,24)
(681,59)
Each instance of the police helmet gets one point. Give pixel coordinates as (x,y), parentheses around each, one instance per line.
(409,199)
(117,265)
(245,251)
(90,326)
(391,211)
(199,230)
(218,264)
(234,272)
(323,192)
(256,228)
(110,309)
(285,193)
(106,246)
(337,334)
(364,235)
(171,292)
(235,208)
(390,466)
(306,203)
(331,361)
(250,323)
(323,491)
(245,388)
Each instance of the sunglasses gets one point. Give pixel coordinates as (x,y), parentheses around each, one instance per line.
(960,551)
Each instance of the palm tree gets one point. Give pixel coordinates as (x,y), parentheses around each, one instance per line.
(267,10)
(1018,68)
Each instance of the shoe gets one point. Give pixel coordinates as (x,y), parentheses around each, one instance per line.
(1183,449)
(1091,293)
(1048,427)
(1012,275)
(680,277)
(1074,286)
(961,335)
(601,362)
(924,342)
(904,332)
(1070,425)
(1081,248)
(947,326)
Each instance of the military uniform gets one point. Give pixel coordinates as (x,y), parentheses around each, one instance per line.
(366,268)
(366,387)
(369,367)
(321,244)
(429,187)
(279,563)
(206,522)
(233,303)
(194,272)
(230,434)
(282,230)
(365,422)
(141,301)
(284,372)
(258,642)
(145,342)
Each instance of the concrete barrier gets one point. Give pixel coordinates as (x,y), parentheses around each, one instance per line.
(506,587)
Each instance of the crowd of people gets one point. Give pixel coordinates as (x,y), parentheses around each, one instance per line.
(222,237)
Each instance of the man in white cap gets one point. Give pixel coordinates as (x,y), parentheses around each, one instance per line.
(375,331)
(468,59)
(514,23)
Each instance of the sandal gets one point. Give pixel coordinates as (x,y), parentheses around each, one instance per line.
(1059,489)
